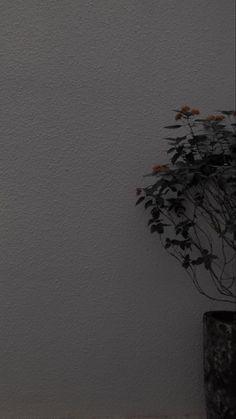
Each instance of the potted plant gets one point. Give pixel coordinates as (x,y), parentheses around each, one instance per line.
(192,204)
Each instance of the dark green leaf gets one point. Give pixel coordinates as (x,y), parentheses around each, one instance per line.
(140,200)
(197,261)
(155,213)
(226,112)
(153,228)
(173,126)
(149,203)
(171,150)
(168,243)
(186,262)
(190,158)
(174,158)
(160,228)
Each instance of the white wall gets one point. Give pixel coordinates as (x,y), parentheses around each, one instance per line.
(95,318)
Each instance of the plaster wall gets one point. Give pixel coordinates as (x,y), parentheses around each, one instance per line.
(95,319)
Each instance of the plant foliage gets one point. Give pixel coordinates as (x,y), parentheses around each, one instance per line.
(192,198)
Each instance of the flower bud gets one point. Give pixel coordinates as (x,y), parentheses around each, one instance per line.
(178,116)
(185,108)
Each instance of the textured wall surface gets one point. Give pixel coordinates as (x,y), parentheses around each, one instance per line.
(94,317)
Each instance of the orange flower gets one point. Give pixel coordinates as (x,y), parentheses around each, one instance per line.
(216,118)
(185,108)
(219,117)
(178,116)
(211,118)
(159,168)
(195,111)
(156,168)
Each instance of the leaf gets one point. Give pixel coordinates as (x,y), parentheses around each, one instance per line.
(173,126)
(153,228)
(207,263)
(155,213)
(186,262)
(160,200)
(160,228)
(140,200)
(185,233)
(226,112)
(174,158)
(149,203)
(171,150)
(189,157)
(198,261)
(168,243)
(175,242)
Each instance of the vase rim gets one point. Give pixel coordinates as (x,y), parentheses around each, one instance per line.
(224,316)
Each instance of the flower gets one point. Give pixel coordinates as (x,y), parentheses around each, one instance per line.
(178,116)
(156,168)
(185,108)
(216,118)
(195,111)
(219,117)
(160,168)
(211,118)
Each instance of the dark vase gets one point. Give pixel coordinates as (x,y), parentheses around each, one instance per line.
(219,342)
